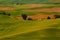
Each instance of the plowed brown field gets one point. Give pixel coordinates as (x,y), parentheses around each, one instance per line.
(44,10)
(7,8)
(38,16)
(33,5)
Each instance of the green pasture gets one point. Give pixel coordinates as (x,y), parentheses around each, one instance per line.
(19,13)
(14,29)
(29,1)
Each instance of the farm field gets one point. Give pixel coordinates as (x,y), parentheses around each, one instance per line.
(29,30)
(31,9)
(13,28)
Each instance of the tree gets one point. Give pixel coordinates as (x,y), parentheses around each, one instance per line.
(29,18)
(48,17)
(57,16)
(24,16)
(8,14)
(4,13)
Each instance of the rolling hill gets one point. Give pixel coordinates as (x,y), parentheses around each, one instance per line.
(11,29)
(28,1)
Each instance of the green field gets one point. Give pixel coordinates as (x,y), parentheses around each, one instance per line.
(28,1)
(14,29)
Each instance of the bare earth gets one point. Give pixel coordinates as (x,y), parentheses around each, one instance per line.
(33,5)
(38,16)
(44,10)
(7,8)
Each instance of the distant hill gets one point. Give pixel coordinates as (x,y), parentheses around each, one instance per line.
(28,1)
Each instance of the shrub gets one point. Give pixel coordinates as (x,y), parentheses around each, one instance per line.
(29,18)
(9,14)
(48,17)
(4,13)
(24,16)
(57,16)
(56,3)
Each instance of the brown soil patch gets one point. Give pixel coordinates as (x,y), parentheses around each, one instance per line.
(42,16)
(19,18)
(7,8)
(44,10)
(38,16)
(33,5)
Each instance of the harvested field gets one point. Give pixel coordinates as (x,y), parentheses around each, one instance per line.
(44,10)
(19,18)
(7,8)
(42,16)
(33,5)
(38,16)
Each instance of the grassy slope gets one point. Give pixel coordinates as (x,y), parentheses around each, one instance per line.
(10,29)
(13,29)
(44,34)
(27,1)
